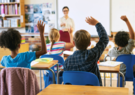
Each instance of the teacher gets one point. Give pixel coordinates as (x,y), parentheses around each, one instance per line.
(66,23)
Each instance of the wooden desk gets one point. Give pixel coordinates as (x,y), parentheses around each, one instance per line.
(55,89)
(109,69)
(43,65)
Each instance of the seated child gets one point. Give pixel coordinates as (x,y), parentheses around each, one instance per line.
(124,42)
(83,59)
(57,47)
(11,39)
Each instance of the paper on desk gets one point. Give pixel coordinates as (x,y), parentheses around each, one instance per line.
(68,52)
(47,60)
(110,63)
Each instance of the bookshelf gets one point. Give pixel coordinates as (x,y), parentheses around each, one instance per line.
(12,14)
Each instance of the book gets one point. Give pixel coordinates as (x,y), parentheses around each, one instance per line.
(16,9)
(6,10)
(2,9)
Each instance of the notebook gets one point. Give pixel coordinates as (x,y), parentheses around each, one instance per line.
(46,60)
(68,52)
(110,63)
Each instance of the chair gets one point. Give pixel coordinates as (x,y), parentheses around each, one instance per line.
(48,77)
(129,61)
(18,81)
(80,78)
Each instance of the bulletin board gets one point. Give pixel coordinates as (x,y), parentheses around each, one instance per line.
(44,10)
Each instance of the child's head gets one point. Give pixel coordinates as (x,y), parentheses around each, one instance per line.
(10,39)
(82,39)
(121,39)
(54,36)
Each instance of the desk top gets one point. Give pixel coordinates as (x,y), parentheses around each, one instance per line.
(109,69)
(55,89)
(41,65)
(44,65)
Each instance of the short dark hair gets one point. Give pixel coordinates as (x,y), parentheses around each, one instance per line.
(65,8)
(82,39)
(10,39)
(121,38)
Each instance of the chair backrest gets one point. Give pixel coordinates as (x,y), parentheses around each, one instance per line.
(18,81)
(80,78)
(55,57)
(129,61)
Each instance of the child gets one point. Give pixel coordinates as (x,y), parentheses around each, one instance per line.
(83,59)
(57,47)
(11,39)
(124,42)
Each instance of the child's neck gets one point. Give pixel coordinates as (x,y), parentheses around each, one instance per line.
(14,53)
(119,48)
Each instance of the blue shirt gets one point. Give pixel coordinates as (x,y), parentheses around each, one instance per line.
(86,60)
(21,60)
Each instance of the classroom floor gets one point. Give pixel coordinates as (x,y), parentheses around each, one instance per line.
(128,85)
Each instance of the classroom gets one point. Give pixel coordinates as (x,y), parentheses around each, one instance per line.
(67,47)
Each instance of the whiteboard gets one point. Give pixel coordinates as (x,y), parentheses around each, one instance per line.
(122,7)
(80,9)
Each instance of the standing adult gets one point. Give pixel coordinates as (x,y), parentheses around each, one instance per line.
(66,25)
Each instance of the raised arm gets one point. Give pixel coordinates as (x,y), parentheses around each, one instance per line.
(41,27)
(103,38)
(130,28)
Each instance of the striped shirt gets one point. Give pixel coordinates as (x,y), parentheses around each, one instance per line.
(57,49)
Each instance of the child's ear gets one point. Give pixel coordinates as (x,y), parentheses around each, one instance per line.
(90,44)
(19,46)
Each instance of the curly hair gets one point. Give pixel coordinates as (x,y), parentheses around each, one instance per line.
(121,38)
(10,39)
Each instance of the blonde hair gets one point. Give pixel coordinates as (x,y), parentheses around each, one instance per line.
(53,36)
(82,39)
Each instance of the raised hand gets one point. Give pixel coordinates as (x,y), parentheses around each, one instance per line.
(91,20)
(41,26)
(124,18)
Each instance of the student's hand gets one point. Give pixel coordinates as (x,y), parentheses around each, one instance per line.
(91,20)
(41,26)
(124,18)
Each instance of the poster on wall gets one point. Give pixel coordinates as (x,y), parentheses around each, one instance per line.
(37,12)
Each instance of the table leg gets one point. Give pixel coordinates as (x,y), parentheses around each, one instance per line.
(58,74)
(123,79)
(53,75)
(104,80)
(118,79)
(110,79)
(40,81)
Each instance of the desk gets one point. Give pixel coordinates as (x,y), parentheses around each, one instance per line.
(116,69)
(43,66)
(55,89)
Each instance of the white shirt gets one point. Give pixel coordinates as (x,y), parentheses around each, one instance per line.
(68,23)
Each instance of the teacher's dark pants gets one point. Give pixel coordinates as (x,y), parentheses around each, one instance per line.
(64,36)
